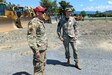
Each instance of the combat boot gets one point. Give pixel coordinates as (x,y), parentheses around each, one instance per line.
(68,61)
(77,65)
(38,73)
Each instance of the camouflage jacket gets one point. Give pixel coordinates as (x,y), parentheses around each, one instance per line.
(36,36)
(68,27)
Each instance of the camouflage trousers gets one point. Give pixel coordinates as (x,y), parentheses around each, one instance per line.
(67,42)
(39,64)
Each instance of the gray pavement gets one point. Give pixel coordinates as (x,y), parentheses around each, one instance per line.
(94,61)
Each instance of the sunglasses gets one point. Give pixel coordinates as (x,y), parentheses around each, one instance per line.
(42,12)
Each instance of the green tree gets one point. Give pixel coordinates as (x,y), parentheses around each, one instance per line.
(13,5)
(83,13)
(45,3)
(97,13)
(2,0)
(55,7)
(10,5)
(64,4)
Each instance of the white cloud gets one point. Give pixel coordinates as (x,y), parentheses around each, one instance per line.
(99,8)
(110,2)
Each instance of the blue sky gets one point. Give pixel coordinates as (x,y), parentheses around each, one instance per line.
(79,5)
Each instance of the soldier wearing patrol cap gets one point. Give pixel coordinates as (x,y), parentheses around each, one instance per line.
(37,40)
(67,25)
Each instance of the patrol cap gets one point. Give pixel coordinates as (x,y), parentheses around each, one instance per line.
(68,9)
(40,9)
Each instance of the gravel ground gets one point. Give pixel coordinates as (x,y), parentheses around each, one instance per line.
(94,48)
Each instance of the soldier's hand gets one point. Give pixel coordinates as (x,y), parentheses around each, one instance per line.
(38,54)
(61,38)
(74,38)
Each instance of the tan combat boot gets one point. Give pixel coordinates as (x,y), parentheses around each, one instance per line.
(38,73)
(77,65)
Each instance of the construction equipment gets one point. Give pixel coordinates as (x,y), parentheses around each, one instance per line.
(8,19)
(24,15)
(14,17)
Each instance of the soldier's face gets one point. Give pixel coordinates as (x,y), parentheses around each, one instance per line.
(40,15)
(68,13)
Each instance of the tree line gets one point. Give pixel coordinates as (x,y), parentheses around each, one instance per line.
(53,8)
(97,14)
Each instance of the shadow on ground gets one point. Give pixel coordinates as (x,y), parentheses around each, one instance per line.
(57,62)
(21,73)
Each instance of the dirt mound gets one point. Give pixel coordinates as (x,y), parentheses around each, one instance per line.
(88,30)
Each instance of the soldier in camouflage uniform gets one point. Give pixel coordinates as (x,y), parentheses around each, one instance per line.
(37,40)
(68,25)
